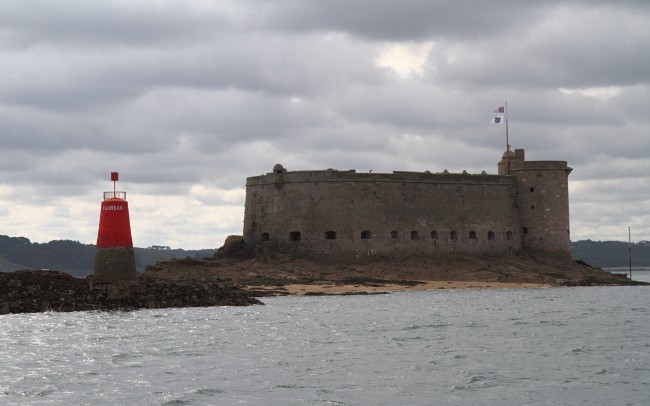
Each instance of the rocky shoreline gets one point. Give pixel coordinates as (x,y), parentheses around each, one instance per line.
(231,281)
(29,291)
(282,275)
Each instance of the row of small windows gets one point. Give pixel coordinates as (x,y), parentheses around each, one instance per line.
(367,235)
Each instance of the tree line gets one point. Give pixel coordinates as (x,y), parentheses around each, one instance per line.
(611,253)
(74,257)
(77,259)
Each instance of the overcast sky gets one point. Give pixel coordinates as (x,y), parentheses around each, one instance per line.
(185,99)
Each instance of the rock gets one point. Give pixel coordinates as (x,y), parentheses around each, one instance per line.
(233,247)
(274,272)
(29,291)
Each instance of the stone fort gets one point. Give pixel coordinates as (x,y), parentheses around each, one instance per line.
(342,216)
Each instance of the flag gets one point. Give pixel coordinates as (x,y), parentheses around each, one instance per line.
(498,119)
(500,110)
(114,176)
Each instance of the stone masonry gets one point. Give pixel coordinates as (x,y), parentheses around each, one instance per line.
(343,216)
(115,264)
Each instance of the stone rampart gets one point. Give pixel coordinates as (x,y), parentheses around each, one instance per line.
(343,215)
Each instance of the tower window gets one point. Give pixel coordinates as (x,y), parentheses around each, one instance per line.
(472,235)
(394,235)
(491,235)
(434,235)
(524,230)
(264,237)
(366,235)
(453,236)
(294,236)
(330,235)
(414,235)
(509,235)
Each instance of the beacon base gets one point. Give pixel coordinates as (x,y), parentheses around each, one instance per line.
(115,264)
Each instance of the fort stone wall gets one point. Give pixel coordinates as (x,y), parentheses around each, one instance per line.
(343,215)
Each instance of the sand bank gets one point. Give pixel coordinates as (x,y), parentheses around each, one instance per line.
(334,289)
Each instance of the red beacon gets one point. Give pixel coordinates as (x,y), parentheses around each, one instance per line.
(114,256)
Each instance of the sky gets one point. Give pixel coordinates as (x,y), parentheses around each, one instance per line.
(186,99)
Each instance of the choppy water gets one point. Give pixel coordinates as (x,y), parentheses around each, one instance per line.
(565,346)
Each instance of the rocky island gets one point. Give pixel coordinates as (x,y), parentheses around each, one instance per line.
(280,274)
(232,279)
(342,232)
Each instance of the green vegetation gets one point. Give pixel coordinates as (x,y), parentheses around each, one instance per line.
(611,253)
(6,266)
(77,259)
(74,257)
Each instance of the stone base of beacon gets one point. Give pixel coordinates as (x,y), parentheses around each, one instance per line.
(114,257)
(115,264)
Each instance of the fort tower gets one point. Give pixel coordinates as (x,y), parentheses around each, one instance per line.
(543,200)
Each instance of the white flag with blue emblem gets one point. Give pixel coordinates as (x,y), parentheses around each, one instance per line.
(498,119)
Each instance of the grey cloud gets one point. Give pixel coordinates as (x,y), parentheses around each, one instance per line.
(413,20)
(555,52)
(174,97)
(85,80)
(78,23)
(400,21)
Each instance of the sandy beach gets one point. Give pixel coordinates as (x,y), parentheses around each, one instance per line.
(338,289)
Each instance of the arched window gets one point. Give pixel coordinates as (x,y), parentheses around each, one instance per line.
(330,235)
(414,235)
(394,235)
(524,230)
(472,235)
(509,235)
(264,237)
(294,236)
(434,235)
(453,236)
(491,235)
(366,235)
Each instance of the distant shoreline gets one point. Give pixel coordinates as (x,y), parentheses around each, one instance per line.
(626,268)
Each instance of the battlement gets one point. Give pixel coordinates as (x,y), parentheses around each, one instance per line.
(539,165)
(351,175)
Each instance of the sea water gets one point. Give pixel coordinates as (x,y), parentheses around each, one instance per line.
(641,274)
(554,346)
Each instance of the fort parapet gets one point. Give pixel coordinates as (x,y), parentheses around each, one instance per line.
(342,215)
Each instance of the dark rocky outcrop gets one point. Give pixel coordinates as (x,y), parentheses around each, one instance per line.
(280,270)
(233,247)
(28,291)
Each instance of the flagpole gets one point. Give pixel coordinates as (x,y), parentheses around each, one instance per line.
(507,142)
(629,249)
